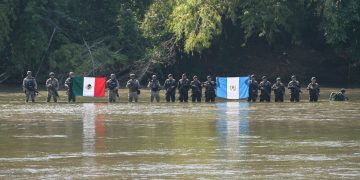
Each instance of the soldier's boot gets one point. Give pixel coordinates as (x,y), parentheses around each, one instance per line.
(55,99)
(151,98)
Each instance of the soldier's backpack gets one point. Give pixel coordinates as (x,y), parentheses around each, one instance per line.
(336,96)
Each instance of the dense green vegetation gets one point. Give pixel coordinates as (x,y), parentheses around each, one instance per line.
(96,37)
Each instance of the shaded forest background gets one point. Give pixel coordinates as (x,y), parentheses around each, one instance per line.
(219,37)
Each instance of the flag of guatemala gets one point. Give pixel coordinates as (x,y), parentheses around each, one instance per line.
(232,87)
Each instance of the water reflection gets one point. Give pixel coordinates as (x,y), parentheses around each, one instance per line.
(94,130)
(233,128)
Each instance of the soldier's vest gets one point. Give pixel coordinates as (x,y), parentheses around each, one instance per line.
(112,84)
(183,85)
(154,85)
(30,84)
(209,87)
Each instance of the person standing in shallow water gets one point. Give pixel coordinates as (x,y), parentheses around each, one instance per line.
(29,87)
(170,88)
(210,87)
(279,90)
(113,86)
(295,89)
(253,89)
(52,85)
(265,90)
(69,82)
(184,86)
(134,88)
(314,90)
(195,90)
(154,86)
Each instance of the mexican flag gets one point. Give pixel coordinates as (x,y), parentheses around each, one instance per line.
(89,86)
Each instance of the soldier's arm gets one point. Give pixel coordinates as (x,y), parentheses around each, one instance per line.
(149,84)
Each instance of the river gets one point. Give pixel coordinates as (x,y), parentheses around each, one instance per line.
(229,140)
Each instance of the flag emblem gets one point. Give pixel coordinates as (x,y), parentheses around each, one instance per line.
(232,87)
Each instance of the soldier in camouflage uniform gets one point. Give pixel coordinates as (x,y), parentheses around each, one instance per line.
(154,86)
(279,90)
(196,89)
(29,87)
(170,88)
(314,90)
(134,88)
(295,89)
(253,89)
(338,96)
(210,87)
(184,86)
(265,90)
(69,82)
(52,85)
(113,86)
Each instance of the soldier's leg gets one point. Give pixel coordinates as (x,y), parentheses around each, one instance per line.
(199,97)
(186,96)
(207,97)
(297,97)
(292,99)
(157,96)
(136,97)
(268,98)
(27,94)
(55,98)
(181,96)
(193,97)
(167,97)
(152,96)
(172,95)
(316,98)
(130,97)
(32,95)
(49,96)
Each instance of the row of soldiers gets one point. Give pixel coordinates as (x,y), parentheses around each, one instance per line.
(294,87)
(183,86)
(170,86)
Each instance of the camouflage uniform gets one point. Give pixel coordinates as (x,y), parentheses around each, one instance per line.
(154,86)
(113,86)
(30,87)
(253,89)
(314,91)
(52,85)
(69,82)
(279,90)
(184,86)
(133,85)
(170,88)
(265,90)
(210,87)
(196,90)
(338,96)
(295,89)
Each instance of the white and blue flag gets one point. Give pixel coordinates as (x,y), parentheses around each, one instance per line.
(232,87)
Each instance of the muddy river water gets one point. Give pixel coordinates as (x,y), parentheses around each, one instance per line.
(229,140)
